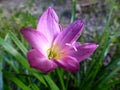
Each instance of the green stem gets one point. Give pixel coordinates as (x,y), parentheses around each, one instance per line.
(73,10)
(61,80)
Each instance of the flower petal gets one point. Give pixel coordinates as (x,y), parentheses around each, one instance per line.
(70,34)
(36,39)
(83,51)
(48,24)
(68,63)
(37,60)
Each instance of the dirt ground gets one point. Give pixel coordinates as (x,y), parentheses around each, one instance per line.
(94,14)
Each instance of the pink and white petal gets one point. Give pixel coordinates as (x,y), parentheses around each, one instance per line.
(36,39)
(48,24)
(83,51)
(68,63)
(70,34)
(77,44)
(38,61)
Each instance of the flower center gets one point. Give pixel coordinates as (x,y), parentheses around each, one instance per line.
(54,52)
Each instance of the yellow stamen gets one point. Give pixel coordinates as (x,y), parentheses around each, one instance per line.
(54,52)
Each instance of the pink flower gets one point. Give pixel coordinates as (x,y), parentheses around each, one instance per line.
(54,47)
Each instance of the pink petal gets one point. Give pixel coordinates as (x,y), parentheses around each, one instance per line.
(70,34)
(48,24)
(36,39)
(68,63)
(83,51)
(40,62)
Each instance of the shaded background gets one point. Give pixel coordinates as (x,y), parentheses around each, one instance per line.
(16,14)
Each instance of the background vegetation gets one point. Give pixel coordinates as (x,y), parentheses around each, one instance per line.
(99,72)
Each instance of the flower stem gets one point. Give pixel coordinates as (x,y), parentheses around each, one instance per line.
(73,10)
(61,79)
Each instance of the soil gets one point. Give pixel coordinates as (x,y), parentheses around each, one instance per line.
(94,14)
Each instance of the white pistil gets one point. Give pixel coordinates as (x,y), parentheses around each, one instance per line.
(72,45)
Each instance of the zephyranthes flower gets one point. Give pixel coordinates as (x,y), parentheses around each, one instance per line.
(56,47)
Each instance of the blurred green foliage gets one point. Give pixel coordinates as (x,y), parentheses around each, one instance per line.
(93,75)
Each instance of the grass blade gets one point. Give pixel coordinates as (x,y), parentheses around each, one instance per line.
(40,77)
(52,85)
(14,53)
(16,80)
(1,75)
(18,43)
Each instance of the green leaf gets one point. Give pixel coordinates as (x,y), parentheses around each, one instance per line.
(52,85)
(40,77)
(107,73)
(110,75)
(35,87)
(16,80)
(14,53)
(1,75)
(11,63)
(60,75)
(97,62)
(18,43)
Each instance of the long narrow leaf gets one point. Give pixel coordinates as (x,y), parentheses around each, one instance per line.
(1,75)
(18,43)
(16,80)
(14,52)
(35,87)
(41,78)
(52,85)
